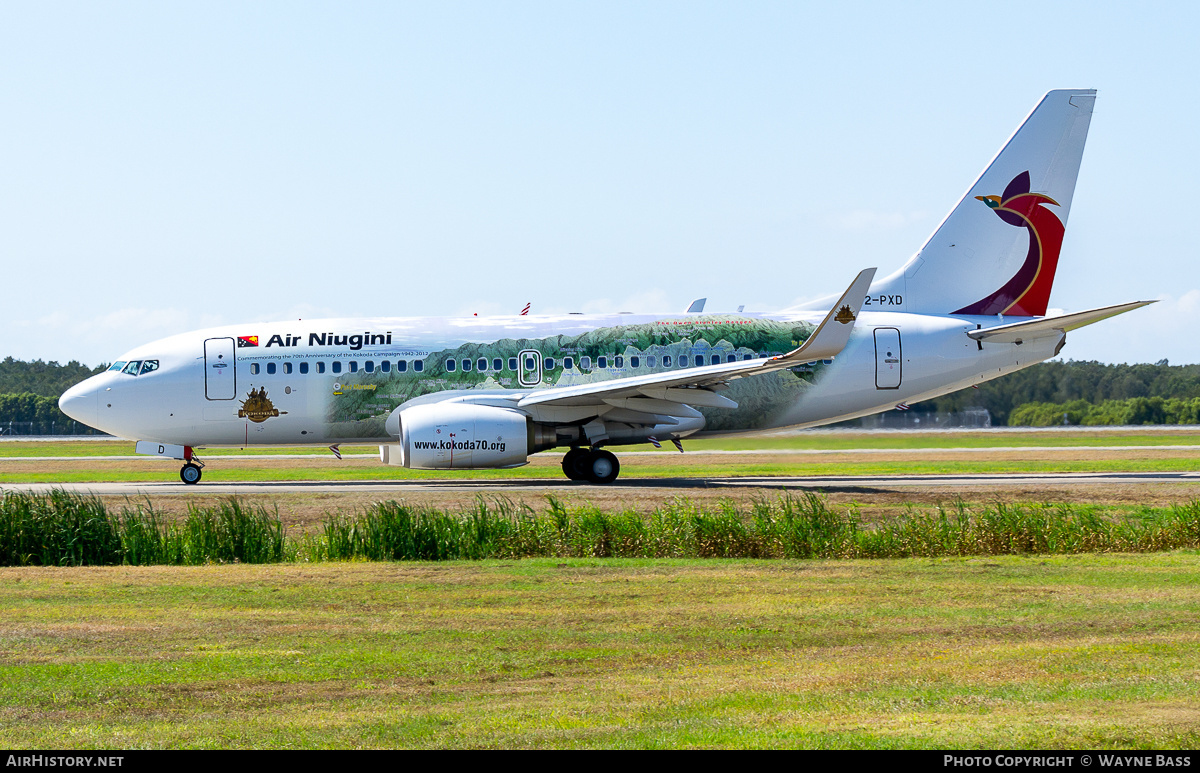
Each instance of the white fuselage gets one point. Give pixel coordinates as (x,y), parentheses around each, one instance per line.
(326,381)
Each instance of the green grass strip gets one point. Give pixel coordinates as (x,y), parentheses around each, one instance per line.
(65,529)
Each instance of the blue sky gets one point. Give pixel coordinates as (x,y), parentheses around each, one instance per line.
(170,166)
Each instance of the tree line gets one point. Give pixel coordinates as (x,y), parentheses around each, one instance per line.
(29,393)
(1058,383)
(47,379)
(1087,392)
(1135,410)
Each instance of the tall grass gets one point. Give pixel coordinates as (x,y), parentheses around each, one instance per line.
(790,527)
(59,528)
(64,529)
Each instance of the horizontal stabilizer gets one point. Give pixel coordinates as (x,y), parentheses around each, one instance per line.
(1019,332)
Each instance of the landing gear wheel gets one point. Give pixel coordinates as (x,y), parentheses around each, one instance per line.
(574,463)
(190,473)
(602,467)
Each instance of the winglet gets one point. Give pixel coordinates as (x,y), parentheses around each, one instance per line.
(832,335)
(697,306)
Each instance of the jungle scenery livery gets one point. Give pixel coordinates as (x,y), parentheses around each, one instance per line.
(360,402)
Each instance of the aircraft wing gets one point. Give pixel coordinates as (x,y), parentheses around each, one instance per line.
(1017,332)
(694,386)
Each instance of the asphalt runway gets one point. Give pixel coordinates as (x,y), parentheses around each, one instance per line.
(813,483)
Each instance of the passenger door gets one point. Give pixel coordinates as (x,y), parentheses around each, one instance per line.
(220,365)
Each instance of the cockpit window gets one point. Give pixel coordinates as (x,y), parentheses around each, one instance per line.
(149,366)
(117,365)
(132,367)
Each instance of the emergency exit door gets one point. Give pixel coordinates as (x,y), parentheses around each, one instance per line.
(888,363)
(529,372)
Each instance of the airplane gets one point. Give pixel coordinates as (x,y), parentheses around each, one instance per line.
(489,392)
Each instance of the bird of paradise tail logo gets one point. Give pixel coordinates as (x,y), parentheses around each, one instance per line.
(1028,293)
(257,407)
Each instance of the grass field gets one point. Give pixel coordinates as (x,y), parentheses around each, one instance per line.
(816,453)
(1083,651)
(986,653)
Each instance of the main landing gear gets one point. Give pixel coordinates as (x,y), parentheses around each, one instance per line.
(190,472)
(591,464)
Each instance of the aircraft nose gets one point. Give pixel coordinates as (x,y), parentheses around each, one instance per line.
(79,402)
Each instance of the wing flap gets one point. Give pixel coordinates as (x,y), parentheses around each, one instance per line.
(696,396)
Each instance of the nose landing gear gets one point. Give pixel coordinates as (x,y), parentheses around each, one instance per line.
(190,473)
(594,465)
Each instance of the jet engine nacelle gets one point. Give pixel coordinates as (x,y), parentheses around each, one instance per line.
(441,436)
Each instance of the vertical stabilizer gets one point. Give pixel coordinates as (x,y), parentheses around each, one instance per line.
(997,250)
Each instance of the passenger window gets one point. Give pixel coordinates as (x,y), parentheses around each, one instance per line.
(133,367)
(512,364)
(731,358)
(497,364)
(666,360)
(568,362)
(530,363)
(715,359)
(635,361)
(117,365)
(620,361)
(466,365)
(320,367)
(651,361)
(601,362)
(482,364)
(254,369)
(304,368)
(385,367)
(549,364)
(418,365)
(287,368)
(354,366)
(270,369)
(149,366)
(585,363)
(451,366)
(402,366)
(369,366)
(337,367)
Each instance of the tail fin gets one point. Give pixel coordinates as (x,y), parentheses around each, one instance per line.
(997,250)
